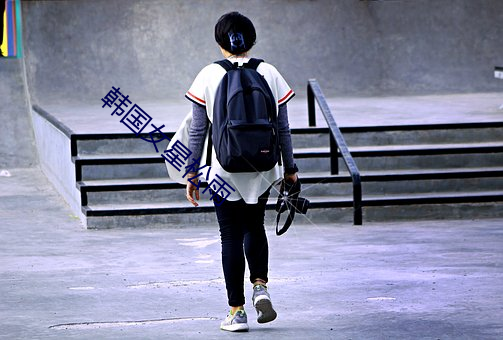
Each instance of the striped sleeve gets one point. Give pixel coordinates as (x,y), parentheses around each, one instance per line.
(289,95)
(285,93)
(195,99)
(197,91)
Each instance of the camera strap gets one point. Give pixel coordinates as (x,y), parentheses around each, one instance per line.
(288,194)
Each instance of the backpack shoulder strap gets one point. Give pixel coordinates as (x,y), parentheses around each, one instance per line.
(253,63)
(210,144)
(226,64)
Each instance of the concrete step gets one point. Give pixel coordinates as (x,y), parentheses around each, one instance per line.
(406,162)
(128,143)
(324,209)
(405,150)
(343,215)
(129,190)
(465,211)
(314,184)
(424,134)
(426,156)
(205,205)
(405,186)
(119,166)
(413,171)
(110,166)
(118,143)
(403,134)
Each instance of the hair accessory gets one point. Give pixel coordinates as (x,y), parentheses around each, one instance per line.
(237,41)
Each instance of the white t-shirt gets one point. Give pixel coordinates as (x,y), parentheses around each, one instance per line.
(249,185)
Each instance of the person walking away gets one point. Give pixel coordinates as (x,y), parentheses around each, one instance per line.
(241,215)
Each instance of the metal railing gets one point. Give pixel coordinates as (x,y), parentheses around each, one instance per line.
(336,142)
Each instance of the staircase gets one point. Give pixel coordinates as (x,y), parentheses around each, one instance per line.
(407,172)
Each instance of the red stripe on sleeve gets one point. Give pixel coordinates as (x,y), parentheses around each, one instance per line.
(285,97)
(197,98)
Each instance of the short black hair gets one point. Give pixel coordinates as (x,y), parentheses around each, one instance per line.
(235,33)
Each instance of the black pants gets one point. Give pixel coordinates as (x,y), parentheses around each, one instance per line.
(241,225)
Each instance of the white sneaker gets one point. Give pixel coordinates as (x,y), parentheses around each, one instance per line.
(235,323)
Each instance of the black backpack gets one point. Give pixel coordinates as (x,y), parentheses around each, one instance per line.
(245,125)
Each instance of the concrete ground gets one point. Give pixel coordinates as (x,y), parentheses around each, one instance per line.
(417,280)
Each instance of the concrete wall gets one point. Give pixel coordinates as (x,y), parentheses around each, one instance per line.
(55,153)
(77,50)
(17,145)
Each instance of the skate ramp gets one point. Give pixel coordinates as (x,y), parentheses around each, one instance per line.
(77,50)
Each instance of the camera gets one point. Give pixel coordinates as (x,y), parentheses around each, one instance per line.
(301,204)
(289,198)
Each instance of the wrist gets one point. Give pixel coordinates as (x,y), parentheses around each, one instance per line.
(190,177)
(291,170)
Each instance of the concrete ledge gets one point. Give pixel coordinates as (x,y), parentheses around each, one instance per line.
(53,142)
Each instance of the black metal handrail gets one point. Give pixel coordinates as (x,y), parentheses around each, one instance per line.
(336,142)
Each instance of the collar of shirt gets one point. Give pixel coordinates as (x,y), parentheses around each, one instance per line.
(239,60)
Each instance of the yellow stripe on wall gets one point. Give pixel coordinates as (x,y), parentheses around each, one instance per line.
(5,45)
